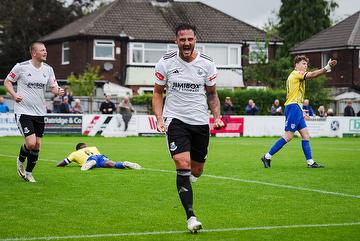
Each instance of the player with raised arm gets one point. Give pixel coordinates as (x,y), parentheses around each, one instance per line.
(294,115)
(189,78)
(32,77)
(89,157)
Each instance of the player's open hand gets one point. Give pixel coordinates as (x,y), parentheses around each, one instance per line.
(218,124)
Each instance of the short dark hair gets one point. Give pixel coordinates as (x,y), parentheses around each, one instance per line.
(184,26)
(299,58)
(31,47)
(80,146)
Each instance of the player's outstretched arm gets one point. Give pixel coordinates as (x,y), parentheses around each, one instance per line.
(327,68)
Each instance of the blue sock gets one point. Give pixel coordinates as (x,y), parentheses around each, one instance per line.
(277,146)
(306,149)
(119,165)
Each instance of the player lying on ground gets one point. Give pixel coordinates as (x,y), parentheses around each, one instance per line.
(90,157)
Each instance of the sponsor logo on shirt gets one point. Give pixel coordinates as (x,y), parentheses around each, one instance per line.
(35,85)
(159,76)
(186,87)
(175,71)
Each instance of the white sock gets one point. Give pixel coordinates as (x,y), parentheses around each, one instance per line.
(310,161)
(268,156)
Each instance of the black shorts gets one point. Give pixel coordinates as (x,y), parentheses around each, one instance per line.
(182,137)
(30,124)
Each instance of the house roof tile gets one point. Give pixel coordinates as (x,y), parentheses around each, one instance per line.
(146,20)
(344,34)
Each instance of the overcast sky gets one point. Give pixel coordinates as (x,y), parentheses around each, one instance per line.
(257,12)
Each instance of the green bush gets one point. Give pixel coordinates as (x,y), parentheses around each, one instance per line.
(262,98)
(2,90)
(84,84)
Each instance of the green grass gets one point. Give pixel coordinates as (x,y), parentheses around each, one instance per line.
(235,192)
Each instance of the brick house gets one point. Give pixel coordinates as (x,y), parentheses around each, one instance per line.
(127,37)
(341,42)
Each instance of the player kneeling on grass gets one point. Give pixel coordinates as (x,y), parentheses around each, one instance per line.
(90,157)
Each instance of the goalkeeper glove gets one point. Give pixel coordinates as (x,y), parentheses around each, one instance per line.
(328,67)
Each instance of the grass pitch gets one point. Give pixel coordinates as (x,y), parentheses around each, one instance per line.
(235,199)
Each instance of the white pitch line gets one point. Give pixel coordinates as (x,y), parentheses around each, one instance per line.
(268,184)
(183,232)
(243,180)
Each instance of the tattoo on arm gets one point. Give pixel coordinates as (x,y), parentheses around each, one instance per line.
(214,103)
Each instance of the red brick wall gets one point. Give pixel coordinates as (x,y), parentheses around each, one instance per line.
(81,54)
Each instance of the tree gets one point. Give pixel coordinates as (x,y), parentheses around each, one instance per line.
(301,19)
(24,22)
(84,85)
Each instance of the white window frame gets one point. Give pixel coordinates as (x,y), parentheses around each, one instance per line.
(262,45)
(63,49)
(109,43)
(325,56)
(171,47)
(359,59)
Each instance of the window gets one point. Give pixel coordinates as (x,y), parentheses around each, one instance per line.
(324,58)
(149,53)
(65,53)
(258,53)
(104,49)
(359,59)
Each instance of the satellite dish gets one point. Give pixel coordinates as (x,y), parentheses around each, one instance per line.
(108,66)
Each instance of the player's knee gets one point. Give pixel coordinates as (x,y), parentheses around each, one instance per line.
(31,146)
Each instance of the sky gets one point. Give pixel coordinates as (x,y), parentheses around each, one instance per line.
(257,12)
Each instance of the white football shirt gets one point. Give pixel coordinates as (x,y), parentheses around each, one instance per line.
(185,86)
(31,85)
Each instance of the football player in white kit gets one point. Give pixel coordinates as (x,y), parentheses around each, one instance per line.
(32,77)
(189,78)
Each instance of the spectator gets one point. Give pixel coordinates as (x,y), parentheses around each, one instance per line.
(107,107)
(349,111)
(358,114)
(65,107)
(321,111)
(307,108)
(228,108)
(251,108)
(77,109)
(126,109)
(276,109)
(330,112)
(56,103)
(4,108)
(68,95)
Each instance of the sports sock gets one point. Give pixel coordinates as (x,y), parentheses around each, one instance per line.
(277,146)
(32,159)
(24,152)
(306,149)
(185,190)
(119,165)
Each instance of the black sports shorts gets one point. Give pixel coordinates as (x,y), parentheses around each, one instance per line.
(30,124)
(182,137)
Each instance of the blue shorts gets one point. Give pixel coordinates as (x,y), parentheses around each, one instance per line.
(294,119)
(100,160)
